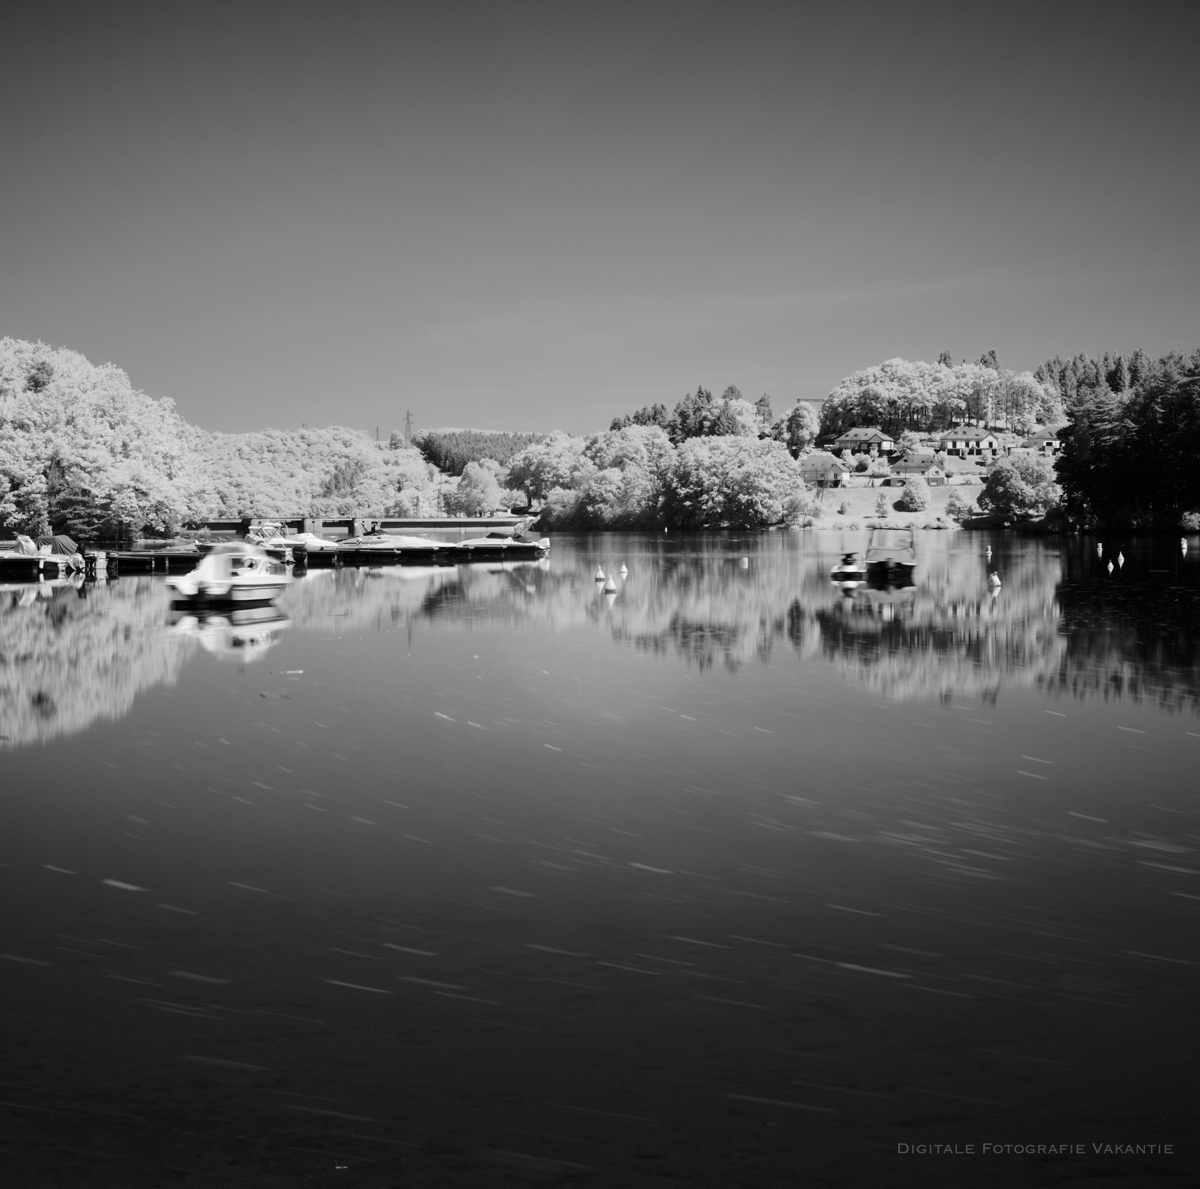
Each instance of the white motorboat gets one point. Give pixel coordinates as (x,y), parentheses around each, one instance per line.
(849,569)
(272,536)
(233,572)
(392,543)
(500,544)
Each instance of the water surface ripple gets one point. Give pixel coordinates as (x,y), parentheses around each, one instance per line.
(485,875)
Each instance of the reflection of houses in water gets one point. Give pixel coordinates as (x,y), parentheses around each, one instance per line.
(948,635)
(71,654)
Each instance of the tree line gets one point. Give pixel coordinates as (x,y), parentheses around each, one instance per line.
(83,452)
(450,450)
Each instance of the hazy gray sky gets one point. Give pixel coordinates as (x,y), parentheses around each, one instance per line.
(540,215)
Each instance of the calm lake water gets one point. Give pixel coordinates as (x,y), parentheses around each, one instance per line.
(481,876)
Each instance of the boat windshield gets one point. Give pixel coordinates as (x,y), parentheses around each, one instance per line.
(895,538)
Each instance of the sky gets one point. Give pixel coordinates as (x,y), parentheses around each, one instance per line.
(538,216)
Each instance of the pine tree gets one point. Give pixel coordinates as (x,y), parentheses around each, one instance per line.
(1139,367)
(1118,376)
(945,360)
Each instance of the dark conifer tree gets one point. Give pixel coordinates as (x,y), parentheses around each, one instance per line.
(1118,375)
(1138,367)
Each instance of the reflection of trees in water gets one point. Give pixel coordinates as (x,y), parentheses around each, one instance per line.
(70,654)
(1136,635)
(949,636)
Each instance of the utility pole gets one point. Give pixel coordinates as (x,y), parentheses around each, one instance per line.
(408,427)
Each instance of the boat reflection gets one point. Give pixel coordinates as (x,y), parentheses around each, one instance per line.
(72,653)
(242,634)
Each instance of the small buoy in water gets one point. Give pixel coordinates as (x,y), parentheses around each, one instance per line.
(599,574)
(989,551)
(610,597)
(624,570)
(1120,559)
(994,580)
(1110,567)
(1183,544)
(610,587)
(745,563)
(1099,549)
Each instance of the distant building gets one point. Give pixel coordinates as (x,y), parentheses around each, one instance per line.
(822,469)
(969,440)
(864,440)
(919,463)
(1043,441)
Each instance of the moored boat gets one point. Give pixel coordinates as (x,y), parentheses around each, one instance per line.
(891,556)
(849,569)
(233,572)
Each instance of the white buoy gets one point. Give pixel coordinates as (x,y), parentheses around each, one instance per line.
(1183,544)
(1110,567)
(624,570)
(994,580)
(745,563)
(1099,549)
(610,587)
(599,574)
(989,552)
(610,597)
(1120,559)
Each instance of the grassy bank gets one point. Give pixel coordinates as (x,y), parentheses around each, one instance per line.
(859,503)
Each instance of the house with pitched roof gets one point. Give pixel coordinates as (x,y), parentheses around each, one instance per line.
(922,463)
(822,469)
(864,440)
(968,440)
(1043,441)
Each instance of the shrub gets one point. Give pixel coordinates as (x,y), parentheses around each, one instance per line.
(882,507)
(1190,522)
(916,495)
(478,492)
(959,509)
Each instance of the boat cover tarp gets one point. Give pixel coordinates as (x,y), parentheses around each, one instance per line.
(59,543)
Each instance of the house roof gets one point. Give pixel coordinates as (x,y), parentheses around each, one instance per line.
(966,433)
(1041,435)
(822,460)
(864,434)
(917,466)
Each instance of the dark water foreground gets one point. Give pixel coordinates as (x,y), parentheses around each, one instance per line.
(479,877)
